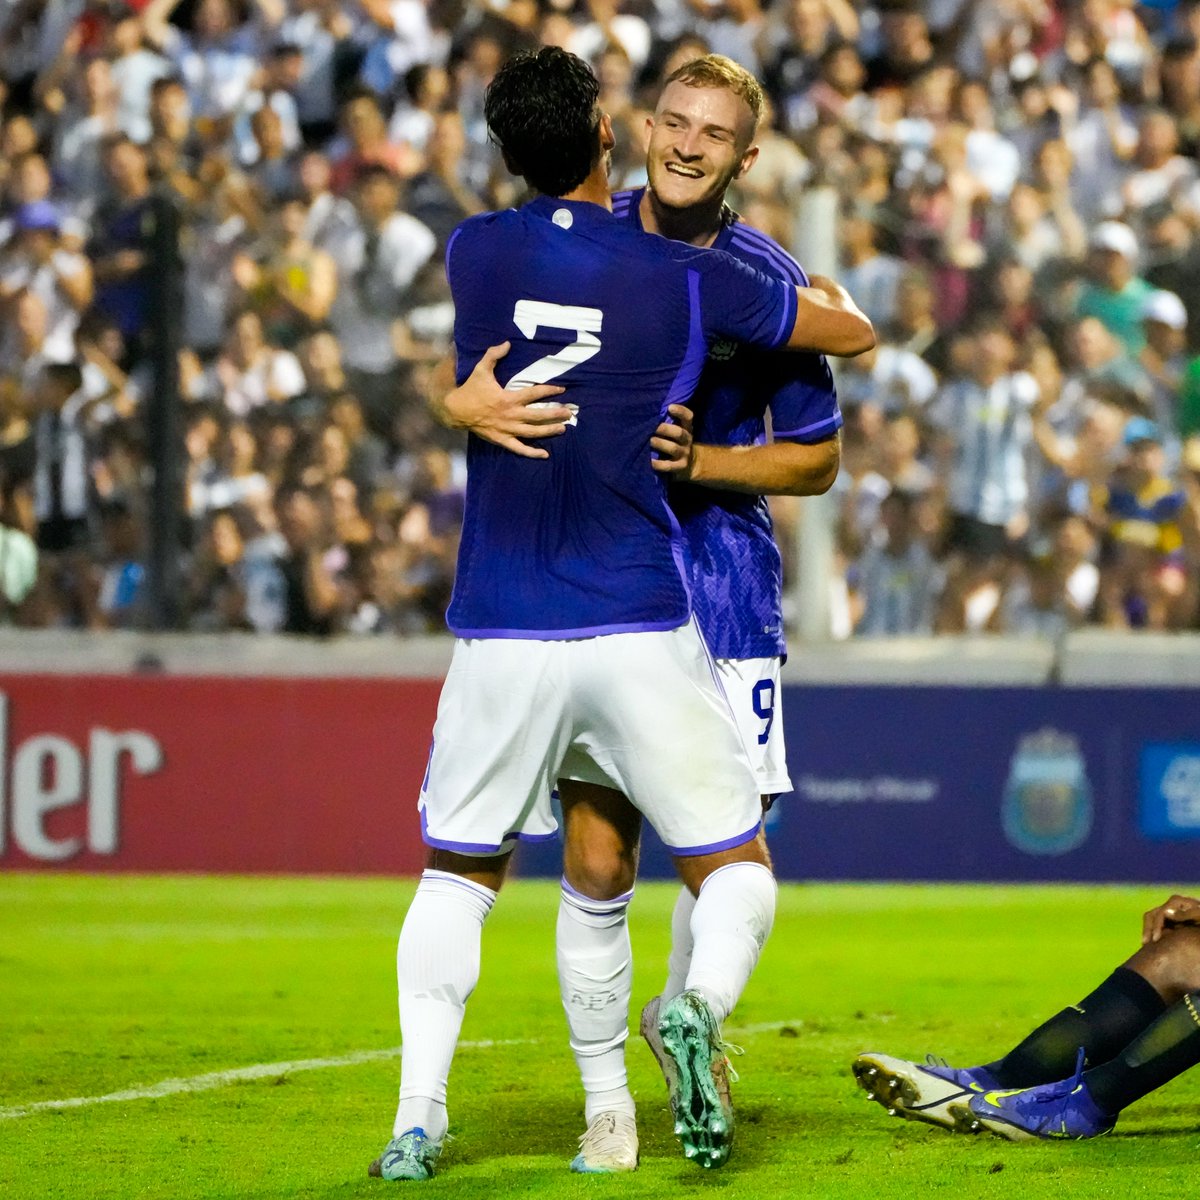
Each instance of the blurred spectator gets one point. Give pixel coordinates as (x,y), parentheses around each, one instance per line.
(378,258)
(1020,215)
(1056,586)
(287,281)
(1114,292)
(90,117)
(367,144)
(312,565)
(991,157)
(1173,264)
(1161,175)
(870,276)
(217,59)
(62,497)
(121,585)
(327,215)
(887,378)
(233,478)
(441,195)
(1163,357)
(1144,583)
(118,247)
(427,92)
(134,70)
(1102,137)
(897,580)
(267,157)
(249,372)
(36,262)
(323,31)
(985,429)
(276,84)
(404,38)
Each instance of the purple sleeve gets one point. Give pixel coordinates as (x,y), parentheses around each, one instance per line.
(798,388)
(802,398)
(740,303)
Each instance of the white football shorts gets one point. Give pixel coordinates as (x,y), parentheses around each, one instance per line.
(643,713)
(752,686)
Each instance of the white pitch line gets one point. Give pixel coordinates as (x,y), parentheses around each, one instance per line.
(220,1079)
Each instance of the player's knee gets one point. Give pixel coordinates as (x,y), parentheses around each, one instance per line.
(600,871)
(1172,964)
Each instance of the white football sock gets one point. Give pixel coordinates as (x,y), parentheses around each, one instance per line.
(437,968)
(731,921)
(595,975)
(679,960)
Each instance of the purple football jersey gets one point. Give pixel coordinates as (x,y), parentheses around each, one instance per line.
(585,543)
(733,562)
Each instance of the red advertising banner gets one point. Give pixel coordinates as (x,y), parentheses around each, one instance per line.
(169,773)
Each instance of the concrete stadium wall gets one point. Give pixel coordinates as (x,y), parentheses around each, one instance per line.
(970,759)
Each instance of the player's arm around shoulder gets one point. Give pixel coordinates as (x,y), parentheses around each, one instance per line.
(829,322)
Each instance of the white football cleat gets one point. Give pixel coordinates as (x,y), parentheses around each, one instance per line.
(609,1145)
(932,1092)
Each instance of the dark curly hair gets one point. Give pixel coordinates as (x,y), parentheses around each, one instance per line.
(542,112)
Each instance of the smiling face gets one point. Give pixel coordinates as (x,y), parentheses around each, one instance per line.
(698,143)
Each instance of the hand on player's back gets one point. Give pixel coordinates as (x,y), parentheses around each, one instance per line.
(1178,910)
(501,416)
(674,451)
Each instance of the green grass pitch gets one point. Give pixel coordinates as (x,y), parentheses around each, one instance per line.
(119,983)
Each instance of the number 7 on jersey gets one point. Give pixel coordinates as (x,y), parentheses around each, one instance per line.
(585,323)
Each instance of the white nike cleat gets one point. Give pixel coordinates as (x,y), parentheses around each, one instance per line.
(930,1092)
(609,1145)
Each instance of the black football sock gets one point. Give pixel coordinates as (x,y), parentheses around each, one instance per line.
(1168,1048)
(1103,1023)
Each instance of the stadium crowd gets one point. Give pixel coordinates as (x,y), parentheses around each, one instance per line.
(1018,205)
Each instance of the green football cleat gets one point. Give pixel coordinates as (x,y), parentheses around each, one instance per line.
(700,1097)
(412,1155)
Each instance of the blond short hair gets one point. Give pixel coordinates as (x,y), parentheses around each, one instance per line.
(717,71)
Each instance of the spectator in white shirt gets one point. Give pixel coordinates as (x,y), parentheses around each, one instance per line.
(1102,138)
(1162,175)
(888,379)
(217,60)
(61,279)
(986,426)
(275,89)
(249,373)
(991,157)
(92,117)
(134,70)
(378,259)
(329,216)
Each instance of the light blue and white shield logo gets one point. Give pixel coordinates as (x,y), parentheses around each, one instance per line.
(1047,807)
